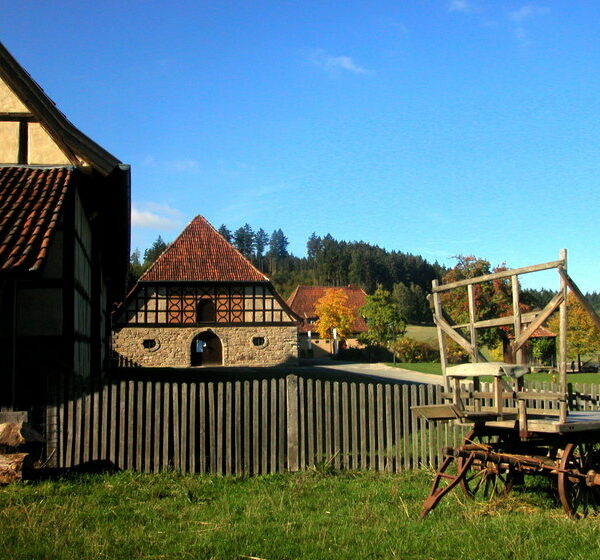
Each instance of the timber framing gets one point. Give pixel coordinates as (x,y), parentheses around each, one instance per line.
(524,324)
(77,147)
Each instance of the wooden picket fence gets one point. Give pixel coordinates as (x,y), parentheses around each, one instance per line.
(257,426)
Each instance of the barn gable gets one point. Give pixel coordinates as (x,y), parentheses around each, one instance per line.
(201,284)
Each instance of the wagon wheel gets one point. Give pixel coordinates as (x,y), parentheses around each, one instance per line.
(577,498)
(485,479)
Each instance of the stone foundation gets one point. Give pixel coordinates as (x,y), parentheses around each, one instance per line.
(173,346)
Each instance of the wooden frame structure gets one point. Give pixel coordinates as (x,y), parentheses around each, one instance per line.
(515,431)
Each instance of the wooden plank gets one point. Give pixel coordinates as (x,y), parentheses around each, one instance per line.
(430,428)
(320,454)
(229,427)
(302,422)
(379,414)
(184,411)
(176,427)
(327,420)
(372,423)
(122,464)
(129,446)
(499,321)
(499,275)
(293,443)
(139,435)
(451,333)
(345,404)
(389,441)
(166,426)
(156,450)
(472,319)
(202,426)
(281,429)
(414,429)
(247,443)
(563,310)
(363,424)
(104,421)
(148,428)
(397,411)
(335,425)
(273,396)
(256,439)
(96,429)
(114,428)
(310,424)
(211,428)
(78,429)
(265,427)
(354,419)
(405,390)
(237,404)
(220,432)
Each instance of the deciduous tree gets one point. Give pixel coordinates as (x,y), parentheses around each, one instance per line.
(583,337)
(384,319)
(334,312)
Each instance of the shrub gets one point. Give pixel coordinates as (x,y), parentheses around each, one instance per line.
(409,350)
(456,354)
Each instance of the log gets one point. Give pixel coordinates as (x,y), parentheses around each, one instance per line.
(14,434)
(11,467)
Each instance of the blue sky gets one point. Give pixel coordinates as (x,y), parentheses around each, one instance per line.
(434,127)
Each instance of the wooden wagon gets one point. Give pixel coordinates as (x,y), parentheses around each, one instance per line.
(514,431)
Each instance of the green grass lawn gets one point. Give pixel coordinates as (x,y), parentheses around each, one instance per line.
(311,515)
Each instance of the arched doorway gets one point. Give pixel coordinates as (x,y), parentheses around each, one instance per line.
(206,350)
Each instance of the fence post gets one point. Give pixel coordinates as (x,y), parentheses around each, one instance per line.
(292,423)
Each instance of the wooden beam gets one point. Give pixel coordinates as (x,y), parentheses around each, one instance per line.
(17,117)
(498,275)
(517,357)
(580,297)
(472,317)
(500,321)
(449,331)
(546,312)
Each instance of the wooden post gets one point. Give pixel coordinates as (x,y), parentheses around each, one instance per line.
(437,309)
(293,443)
(518,354)
(563,339)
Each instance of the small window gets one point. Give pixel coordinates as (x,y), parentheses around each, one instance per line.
(149,343)
(258,341)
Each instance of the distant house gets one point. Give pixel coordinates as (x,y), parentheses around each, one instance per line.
(302,302)
(64,245)
(526,349)
(202,303)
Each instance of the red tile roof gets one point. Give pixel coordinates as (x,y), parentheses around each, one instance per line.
(201,254)
(303,299)
(30,203)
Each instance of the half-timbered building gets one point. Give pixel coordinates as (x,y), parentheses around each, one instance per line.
(202,303)
(64,244)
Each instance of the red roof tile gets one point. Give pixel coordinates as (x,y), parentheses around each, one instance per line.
(303,299)
(201,254)
(30,203)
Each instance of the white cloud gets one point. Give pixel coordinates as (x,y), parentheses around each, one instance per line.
(155,216)
(459,6)
(524,13)
(521,16)
(335,64)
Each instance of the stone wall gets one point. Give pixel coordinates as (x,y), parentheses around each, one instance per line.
(173,345)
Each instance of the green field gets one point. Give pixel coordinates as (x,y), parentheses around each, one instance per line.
(311,515)
(422,333)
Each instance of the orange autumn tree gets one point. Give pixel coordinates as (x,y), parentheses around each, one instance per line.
(334,312)
(583,337)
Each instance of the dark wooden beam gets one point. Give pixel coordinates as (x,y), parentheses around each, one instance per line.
(17,117)
(23,153)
